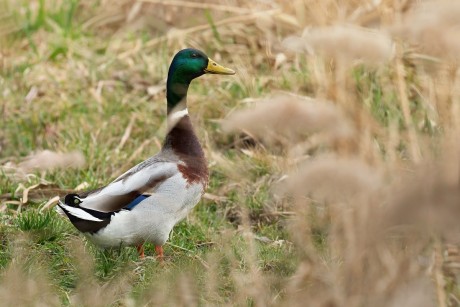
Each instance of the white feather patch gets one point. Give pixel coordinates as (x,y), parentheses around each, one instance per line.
(80,213)
(178,114)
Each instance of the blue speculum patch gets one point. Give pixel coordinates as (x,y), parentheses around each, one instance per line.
(136,202)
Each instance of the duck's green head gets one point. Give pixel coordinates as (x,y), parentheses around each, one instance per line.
(187,65)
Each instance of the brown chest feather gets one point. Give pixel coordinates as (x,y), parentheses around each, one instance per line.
(184,143)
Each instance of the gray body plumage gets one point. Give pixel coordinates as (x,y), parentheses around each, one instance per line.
(103,216)
(153,219)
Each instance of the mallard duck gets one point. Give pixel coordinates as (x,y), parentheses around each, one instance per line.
(143,204)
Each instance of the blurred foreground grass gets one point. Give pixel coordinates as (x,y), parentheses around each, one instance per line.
(348,229)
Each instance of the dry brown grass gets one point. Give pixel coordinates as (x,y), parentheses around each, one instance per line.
(363,177)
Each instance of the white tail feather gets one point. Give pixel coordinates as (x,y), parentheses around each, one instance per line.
(80,213)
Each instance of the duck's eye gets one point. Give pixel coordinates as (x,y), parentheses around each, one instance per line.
(194,55)
(76,201)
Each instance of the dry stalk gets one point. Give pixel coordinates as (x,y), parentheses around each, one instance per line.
(404,100)
(203,6)
(248,18)
(438,276)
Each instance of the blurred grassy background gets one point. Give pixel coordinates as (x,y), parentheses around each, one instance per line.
(343,198)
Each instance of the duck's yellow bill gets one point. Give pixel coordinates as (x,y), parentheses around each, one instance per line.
(214,68)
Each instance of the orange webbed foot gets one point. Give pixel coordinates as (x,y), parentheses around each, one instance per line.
(159,251)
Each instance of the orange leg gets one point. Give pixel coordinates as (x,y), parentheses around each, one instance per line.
(159,251)
(140,250)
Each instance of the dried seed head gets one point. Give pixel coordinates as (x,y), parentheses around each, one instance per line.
(435,27)
(426,200)
(290,118)
(334,179)
(48,160)
(344,43)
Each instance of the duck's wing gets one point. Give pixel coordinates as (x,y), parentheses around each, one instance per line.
(93,210)
(142,178)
